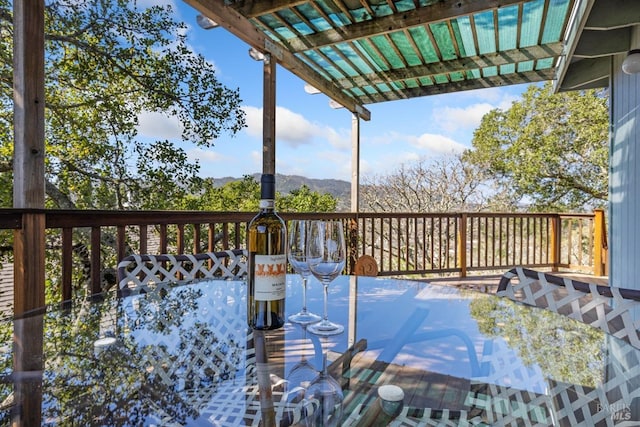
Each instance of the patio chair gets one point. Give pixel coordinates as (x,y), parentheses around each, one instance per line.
(611,309)
(137,273)
(614,400)
(507,392)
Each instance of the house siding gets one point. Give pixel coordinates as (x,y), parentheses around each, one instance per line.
(624,188)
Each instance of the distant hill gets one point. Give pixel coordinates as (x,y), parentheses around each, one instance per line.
(286,183)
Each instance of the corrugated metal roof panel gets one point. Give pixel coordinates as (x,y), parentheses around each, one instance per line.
(376,50)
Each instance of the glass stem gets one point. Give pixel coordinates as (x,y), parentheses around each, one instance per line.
(325,287)
(304,294)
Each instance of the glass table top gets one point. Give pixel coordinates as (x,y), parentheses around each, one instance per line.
(182,355)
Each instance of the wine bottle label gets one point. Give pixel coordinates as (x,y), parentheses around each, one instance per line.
(270,277)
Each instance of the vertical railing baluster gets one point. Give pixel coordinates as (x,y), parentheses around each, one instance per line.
(462,245)
(196,239)
(225,235)
(144,239)
(415,243)
(599,243)
(121,242)
(67,263)
(211,237)
(96,262)
(180,238)
(448,243)
(238,237)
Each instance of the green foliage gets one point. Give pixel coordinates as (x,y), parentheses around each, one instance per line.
(305,200)
(107,63)
(535,335)
(234,196)
(548,150)
(244,196)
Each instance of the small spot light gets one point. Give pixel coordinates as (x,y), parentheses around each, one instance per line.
(335,105)
(311,90)
(206,23)
(631,64)
(257,55)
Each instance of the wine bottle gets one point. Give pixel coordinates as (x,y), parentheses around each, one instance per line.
(267,262)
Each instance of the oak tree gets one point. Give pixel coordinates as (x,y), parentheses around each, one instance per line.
(549,150)
(107,63)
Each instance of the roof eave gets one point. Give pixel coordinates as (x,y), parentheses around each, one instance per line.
(599,30)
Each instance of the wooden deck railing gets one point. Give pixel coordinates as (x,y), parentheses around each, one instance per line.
(83,247)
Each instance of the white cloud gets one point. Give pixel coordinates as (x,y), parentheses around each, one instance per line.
(206,155)
(158,125)
(427,142)
(387,138)
(339,139)
(437,144)
(494,95)
(388,164)
(398,151)
(253,120)
(451,119)
(469,117)
(256,160)
(294,129)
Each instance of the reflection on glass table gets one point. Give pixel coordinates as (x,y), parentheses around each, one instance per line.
(183,356)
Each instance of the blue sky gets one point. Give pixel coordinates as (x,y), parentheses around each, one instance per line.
(313,139)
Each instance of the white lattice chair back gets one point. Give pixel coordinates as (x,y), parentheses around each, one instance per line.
(137,273)
(508,392)
(613,400)
(191,343)
(203,352)
(612,309)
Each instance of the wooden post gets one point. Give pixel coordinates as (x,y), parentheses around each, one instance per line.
(28,158)
(462,245)
(355,163)
(28,331)
(28,193)
(27,364)
(269,116)
(554,244)
(28,274)
(599,243)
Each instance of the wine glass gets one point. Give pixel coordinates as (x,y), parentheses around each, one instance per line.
(326,258)
(326,397)
(301,375)
(297,254)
